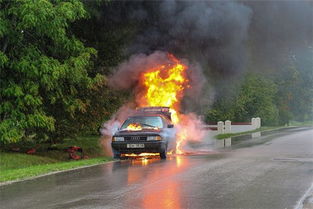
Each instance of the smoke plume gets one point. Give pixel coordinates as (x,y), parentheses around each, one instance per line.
(218,40)
(222,38)
(206,32)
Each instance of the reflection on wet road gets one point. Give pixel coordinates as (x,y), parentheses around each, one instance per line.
(247,177)
(166,194)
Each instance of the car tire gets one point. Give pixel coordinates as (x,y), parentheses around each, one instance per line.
(116,155)
(163,155)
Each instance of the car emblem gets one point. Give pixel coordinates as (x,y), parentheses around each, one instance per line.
(135,138)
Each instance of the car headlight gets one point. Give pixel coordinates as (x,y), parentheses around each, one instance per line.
(118,139)
(152,138)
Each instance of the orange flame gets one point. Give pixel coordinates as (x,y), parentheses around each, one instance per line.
(164,85)
(134,127)
(181,136)
(145,154)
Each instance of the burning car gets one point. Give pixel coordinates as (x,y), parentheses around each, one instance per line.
(149,130)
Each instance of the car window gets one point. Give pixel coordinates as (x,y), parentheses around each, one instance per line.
(146,122)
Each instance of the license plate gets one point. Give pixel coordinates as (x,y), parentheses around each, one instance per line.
(135,146)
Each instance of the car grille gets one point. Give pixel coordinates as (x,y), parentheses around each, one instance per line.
(135,138)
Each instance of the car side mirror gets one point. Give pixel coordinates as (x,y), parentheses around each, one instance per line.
(170,126)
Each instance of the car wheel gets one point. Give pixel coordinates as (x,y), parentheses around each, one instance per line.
(116,155)
(163,155)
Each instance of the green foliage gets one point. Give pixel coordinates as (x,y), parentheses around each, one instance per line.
(295,95)
(256,98)
(277,98)
(44,69)
(222,110)
(105,32)
(109,37)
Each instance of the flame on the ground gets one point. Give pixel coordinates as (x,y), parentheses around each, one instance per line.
(134,127)
(181,137)
(164,85)
(145,154)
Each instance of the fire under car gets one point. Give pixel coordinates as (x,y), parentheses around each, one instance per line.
(149,130)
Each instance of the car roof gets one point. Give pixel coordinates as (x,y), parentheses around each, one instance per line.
(150,115)
(164,111)
(147,115)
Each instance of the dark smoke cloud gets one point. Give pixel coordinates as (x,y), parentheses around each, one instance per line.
(206,32)
(220,39)
(210,35)
(217,34)
(278,30)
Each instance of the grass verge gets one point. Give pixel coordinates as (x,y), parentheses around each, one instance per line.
(18,165)
(297,123)
(265,128)
(35,170)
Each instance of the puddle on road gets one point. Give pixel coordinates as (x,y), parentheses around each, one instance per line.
(243,140)
(254,138)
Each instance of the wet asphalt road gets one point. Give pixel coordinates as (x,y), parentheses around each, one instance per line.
(272,171)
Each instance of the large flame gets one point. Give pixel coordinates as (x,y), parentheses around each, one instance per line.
(134,127)
(164,85)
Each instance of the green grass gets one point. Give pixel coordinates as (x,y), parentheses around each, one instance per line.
(228,135)
(90,144)
(14,166)
(18,160)
(39,169)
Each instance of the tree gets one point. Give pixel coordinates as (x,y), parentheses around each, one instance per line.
(256,99)
(45,70)
(221,110)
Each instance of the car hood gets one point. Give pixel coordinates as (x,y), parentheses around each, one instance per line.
(141,132)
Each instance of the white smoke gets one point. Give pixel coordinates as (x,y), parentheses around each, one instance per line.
(110,127)
(196,137)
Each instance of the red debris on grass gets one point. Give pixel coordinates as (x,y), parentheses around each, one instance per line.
(31,151)
(72,151)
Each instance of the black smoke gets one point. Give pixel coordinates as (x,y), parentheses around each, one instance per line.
(220,39)
(212,33)
(278,31)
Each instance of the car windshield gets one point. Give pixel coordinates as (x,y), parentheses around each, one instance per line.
(145,122)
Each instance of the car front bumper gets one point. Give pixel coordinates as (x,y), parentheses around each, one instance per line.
(149,146)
